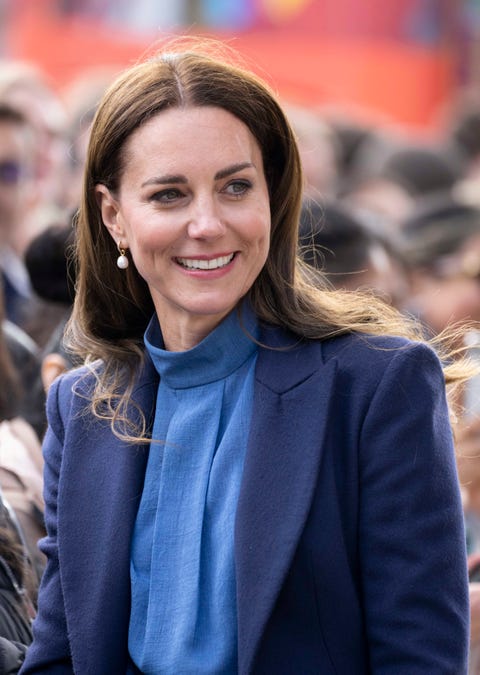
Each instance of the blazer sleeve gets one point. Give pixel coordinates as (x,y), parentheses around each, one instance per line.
(50,651)
(412,540)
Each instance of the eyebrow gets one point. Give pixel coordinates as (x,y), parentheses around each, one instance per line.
(224,173)
(171,179)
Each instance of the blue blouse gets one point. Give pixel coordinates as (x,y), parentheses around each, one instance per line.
(183,616)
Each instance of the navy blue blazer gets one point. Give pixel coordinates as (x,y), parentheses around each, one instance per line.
(349,541)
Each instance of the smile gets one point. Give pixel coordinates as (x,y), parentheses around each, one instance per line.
(213,264)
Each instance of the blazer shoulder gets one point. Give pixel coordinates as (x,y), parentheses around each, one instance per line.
(369,357)
(62,398)
(356,340)
(77,380)
(289,360)
(352,347)
(70,394)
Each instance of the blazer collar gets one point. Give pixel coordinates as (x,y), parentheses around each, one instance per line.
(291,401)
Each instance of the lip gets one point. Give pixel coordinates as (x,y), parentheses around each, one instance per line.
(203,256)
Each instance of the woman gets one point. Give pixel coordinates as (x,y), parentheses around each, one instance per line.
(248,476)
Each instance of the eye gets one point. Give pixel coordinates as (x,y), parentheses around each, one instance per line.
(167,196)
(238,187)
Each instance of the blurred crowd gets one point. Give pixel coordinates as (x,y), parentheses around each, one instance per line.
(384,212)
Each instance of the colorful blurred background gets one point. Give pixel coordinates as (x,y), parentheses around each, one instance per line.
(392,60)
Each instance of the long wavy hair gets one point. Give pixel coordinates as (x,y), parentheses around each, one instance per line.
(112,307)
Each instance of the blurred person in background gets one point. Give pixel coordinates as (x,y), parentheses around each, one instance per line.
(16,607)
(52,277)
(19,302)
(52,273)
(21,520)
(391,177)
(81,98)
(363,155)
(441,243)
(25,87)
(462,132)
(422,170)
(351,253)
(26,358)
(351,137)
(16,188)
(21,462)
(318,146)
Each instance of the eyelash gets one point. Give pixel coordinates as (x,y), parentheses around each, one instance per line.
(245,186)
(162,195)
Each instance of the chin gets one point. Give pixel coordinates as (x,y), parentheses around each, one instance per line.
(213,306)
(214,311)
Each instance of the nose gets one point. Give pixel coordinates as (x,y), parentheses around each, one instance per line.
(205,221)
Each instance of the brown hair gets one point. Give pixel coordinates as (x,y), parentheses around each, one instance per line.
(112,309)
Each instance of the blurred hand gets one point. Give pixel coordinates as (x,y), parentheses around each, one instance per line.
(53,365)
(467,451)
(467,437)
(474,613)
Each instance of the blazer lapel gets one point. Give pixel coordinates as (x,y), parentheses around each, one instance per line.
(291,399)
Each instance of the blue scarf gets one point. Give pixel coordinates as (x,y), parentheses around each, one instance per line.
(183,617)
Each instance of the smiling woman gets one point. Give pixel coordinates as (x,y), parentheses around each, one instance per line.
(251,473)
(193,210)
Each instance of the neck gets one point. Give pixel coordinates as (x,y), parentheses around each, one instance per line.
(179,336)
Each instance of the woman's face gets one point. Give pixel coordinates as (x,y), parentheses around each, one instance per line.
(193,209)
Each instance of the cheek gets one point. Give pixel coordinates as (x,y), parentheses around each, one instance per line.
(148,254)
(145,235)
(263,243)
(263,228)
(251,227)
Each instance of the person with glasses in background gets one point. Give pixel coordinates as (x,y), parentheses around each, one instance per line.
(16,198)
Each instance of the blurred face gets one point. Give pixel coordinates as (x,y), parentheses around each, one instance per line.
(382,274)
(452,294)
(47,117)
(383,197)
(193,209)
(14,178)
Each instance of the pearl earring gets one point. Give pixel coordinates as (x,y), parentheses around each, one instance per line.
(122,260)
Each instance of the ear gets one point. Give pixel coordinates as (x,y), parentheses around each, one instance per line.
(109,209)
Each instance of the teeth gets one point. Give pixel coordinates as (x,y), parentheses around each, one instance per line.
(213,264)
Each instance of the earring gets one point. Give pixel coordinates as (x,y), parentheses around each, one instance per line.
(122,260)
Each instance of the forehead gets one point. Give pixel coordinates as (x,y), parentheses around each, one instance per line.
(181,133)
